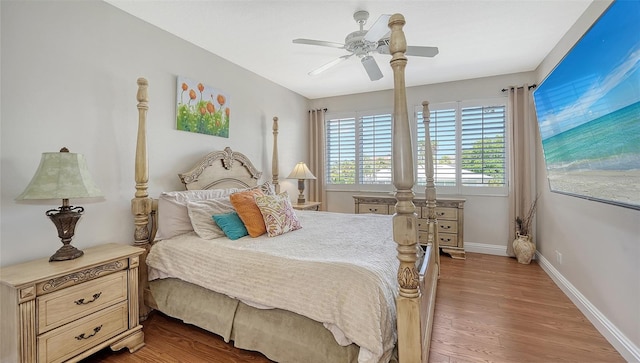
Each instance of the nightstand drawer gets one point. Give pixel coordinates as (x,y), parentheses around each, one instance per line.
(364,208)
(67,341)
(445,226)
(69,304)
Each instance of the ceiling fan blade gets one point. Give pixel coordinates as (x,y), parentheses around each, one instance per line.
(422,51)
(416,51)
(319,42)
(334,62)
(379,29)
(371,67)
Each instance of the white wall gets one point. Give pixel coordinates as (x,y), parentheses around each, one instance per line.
(599,243)
(69,71)
(480,211)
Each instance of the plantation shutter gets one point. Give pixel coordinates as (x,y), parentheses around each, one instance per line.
(442,129)
(375,149)
(341,151)
(483,146)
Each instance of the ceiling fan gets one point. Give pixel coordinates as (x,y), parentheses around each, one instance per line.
(362,43)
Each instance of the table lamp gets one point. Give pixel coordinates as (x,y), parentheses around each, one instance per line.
(301,172)
(62,175)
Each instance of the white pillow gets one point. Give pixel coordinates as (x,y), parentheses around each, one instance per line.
(173,216)
(201,213)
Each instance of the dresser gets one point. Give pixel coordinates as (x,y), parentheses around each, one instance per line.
(449,213)
(64,311)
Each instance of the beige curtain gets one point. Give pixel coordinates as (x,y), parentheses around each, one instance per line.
(316,156)
(522,145)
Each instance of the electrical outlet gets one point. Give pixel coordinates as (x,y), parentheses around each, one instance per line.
(558,257)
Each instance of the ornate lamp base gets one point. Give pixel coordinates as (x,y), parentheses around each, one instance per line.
(66,252)
(65,219)
(301,198)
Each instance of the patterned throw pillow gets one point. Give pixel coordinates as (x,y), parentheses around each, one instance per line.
(267,188)
(279,217)
(245,204)
(231,224)
(200,212)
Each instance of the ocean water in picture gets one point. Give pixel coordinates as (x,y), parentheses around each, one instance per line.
(610,142)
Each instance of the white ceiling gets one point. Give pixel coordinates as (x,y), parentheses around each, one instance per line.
(476,38)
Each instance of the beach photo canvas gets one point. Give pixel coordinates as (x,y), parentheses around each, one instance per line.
(588,111)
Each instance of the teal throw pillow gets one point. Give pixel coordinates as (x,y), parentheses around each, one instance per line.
(231,225)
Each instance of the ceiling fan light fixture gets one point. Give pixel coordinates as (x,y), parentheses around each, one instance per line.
(371,67)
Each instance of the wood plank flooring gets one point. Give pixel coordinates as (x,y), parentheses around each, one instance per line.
(491,308)
(488,308)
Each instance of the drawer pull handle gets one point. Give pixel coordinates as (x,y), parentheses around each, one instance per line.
(445,227)
(82,302)
(440,214)
(95,331)
(445,240)
(373,210)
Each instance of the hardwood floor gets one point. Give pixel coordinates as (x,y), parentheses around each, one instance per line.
(491,308)
(488,308)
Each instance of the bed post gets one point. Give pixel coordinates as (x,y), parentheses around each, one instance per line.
(141,203)
(430,189)
(274,157)
(405,223)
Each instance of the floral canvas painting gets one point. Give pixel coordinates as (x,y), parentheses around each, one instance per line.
(201,108)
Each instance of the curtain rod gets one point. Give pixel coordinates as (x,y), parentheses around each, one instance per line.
(318,109)
(530,87)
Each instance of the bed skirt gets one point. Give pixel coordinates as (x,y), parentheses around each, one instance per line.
(280,335)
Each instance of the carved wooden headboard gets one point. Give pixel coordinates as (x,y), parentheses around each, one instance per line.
(221,169)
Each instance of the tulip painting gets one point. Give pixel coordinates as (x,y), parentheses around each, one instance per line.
(201,109)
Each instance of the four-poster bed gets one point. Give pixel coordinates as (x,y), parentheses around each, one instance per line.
(395,290)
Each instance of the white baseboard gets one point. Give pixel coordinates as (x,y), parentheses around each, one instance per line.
(487,249)
(620,342)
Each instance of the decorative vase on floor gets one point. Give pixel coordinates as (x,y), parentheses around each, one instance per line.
(524,248)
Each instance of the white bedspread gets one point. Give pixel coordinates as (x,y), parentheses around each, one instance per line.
(339,269)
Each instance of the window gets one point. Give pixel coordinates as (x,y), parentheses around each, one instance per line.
(467,140)
(341,151)
(358,149)
(474,134)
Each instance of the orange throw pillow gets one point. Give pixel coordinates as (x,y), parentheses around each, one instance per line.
(246,207)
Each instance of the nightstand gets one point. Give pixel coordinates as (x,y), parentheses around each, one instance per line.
(67,310)
(307,206)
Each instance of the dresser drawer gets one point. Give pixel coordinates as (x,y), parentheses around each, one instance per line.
(69,340)
(423,225)
(69,304)
(443,213)
(423,237)
(445,226)
(364,208)
(447,239)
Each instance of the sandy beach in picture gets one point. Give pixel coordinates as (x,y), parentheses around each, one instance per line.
(621,186)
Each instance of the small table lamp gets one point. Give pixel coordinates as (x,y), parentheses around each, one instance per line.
(62,175)
(301,172)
